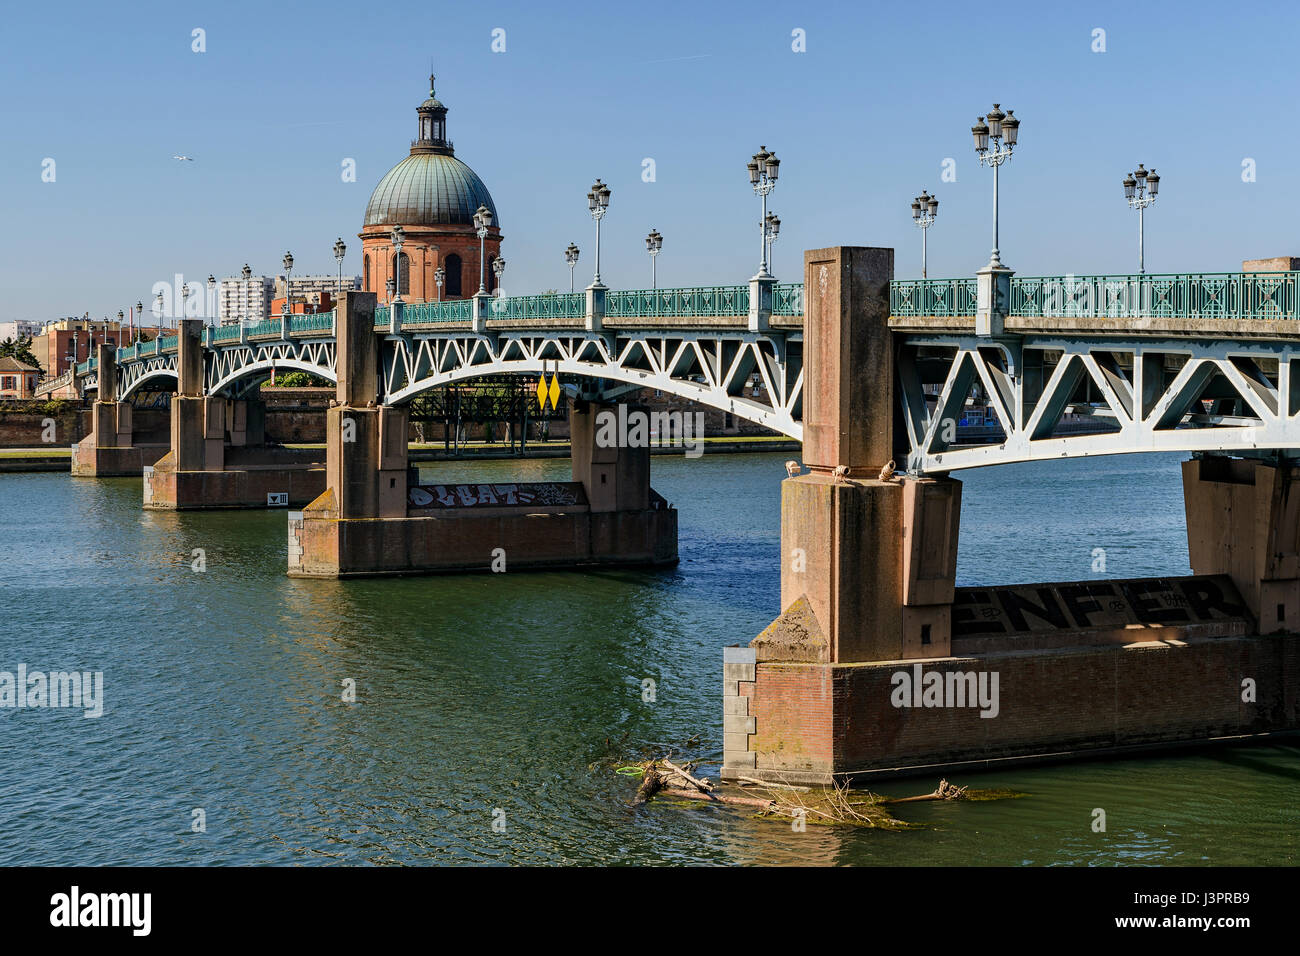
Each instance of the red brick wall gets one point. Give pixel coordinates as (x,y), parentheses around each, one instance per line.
(1080,699)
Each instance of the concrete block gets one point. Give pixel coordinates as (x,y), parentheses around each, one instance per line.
(735,705)
(738,672)
(734,742)
(747,760)
(737,723)
(730,688)
(738,655)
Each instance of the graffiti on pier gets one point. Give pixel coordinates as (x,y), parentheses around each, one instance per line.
(550,493)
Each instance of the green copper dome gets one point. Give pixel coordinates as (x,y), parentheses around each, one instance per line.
(428,189)
(431,187)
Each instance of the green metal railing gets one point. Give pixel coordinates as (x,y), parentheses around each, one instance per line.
(317,322)
(381,317)
(708,300)
(430,313)
(168,342)
(265,327)
(939,297)
(1227,295)
(226,333)
(788,299)
(84,367)
(1224,295)
(564,305)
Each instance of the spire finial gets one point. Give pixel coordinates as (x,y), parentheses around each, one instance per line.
(431,96)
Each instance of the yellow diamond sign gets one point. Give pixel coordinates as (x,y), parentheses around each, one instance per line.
(555,391)
(541,392)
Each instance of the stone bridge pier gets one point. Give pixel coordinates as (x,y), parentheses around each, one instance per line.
(879,664)
(217,457)
(110,450)
(374,517)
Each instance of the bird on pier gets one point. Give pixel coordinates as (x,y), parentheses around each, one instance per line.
(793,468)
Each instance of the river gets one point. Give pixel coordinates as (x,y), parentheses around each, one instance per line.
(510,698)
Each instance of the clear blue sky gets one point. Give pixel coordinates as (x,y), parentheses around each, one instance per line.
(862,122)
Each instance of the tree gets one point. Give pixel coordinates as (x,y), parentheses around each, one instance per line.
(21,349)
(299,380)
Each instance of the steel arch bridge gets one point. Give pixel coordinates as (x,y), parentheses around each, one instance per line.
(1181,363)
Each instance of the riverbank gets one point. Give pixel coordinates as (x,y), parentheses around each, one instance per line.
(18,460)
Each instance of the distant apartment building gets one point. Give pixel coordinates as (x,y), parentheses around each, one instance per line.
(310,288)
(20,329)
(249,298)
(245,298)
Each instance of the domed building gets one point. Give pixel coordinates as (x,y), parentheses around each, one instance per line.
(433,196)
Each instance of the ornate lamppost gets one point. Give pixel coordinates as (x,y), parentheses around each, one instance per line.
(439,277)
(763,169)
(598,205)
(482,223)
(498,267)
(653,244)
(771,229)
(288,271)
(398,236)
(340,250)
(995,139)
(1140,189)
(571,257)
(924,209)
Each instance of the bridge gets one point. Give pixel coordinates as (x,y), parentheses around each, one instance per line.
(866,370)
(1194,362)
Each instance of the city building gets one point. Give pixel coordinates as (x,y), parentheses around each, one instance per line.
(20,329)
(433,196)
(17,379)
(245,298)
(310,289)
(65,342)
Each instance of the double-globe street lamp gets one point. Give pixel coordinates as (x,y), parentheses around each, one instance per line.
(482,223)
(1140,189)
(995,138)
(571,257)
(763,169)
(598,205)
(924,209)
(771,229)
(439,277)
(653,244)
(498,268)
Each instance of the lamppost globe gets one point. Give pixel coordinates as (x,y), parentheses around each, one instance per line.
(439,277)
